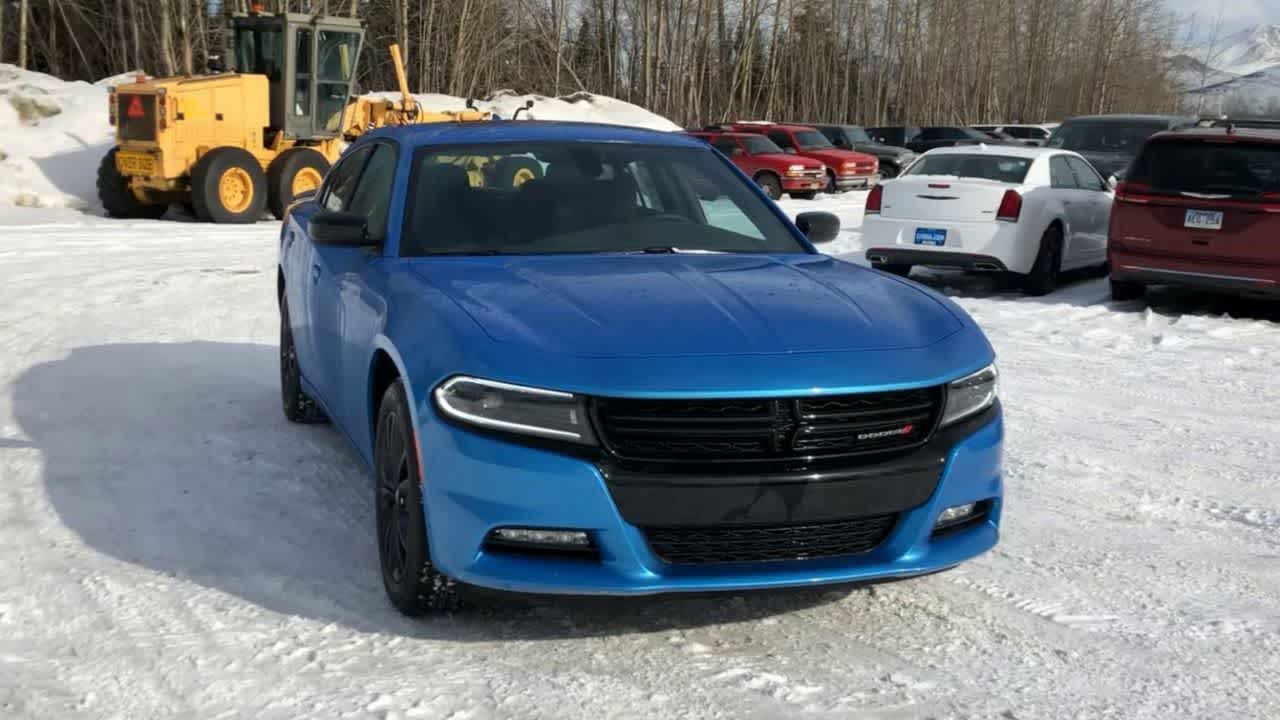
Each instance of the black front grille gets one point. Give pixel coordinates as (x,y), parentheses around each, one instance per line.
(686,432)
(704,545)
(136,114)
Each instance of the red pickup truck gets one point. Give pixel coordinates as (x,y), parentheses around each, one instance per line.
(773,170)
(845,169)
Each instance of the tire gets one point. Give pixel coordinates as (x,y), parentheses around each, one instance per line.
(770,184)
(116,197)
(1043,277)
(412,583)
(888,171)
(228,186)
(805,195)
(831,188)
(514,171)
(293,171)
(893,269)
(1121,290)
(298,406)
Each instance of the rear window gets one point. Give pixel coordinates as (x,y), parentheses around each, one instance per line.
(1239,169)
(1105,135)
(1001,168)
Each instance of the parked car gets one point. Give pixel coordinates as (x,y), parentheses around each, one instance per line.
(601,382)
(1109,142)
(892,159)
(1003,137)
(1200,208)
(773,170)
(896,135)
(939,136)
(1032,135)
(846,170)
(1030,211)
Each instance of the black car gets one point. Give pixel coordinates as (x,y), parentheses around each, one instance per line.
(895,135)
(946,136)
(893,158)
(1110,142)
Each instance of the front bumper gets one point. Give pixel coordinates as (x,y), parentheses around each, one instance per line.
(1237,279)
(803,184)
(474,483)
(855,182)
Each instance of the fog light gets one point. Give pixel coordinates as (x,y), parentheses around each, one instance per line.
(956,515)
(574,543)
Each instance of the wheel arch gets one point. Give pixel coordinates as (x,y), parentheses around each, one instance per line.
(385,367)
(766,171)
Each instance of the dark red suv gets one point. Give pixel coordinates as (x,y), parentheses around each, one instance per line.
(1200,208)
(773,170)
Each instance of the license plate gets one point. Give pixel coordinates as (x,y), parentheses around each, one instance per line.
(929,236)
(1204,219)
(136,163)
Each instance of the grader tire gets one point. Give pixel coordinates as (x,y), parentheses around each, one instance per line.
(292,172)
(228,186)
(116,197)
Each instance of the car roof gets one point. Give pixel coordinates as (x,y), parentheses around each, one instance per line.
(779,126)
(1271,135)
(1025,151)
(725,133)
(501,131)
(1132,118)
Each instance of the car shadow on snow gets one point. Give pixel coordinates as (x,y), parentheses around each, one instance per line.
(1083,288)
(176,457)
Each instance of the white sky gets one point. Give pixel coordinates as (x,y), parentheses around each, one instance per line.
(1237,15)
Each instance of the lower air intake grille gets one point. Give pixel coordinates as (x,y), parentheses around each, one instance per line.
(702,545)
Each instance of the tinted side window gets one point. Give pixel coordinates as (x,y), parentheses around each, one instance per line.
(835,135)
(1086,177)
(1060,175)
(342,180)
(781,139)
(728,146)
(929,134)
(372,196)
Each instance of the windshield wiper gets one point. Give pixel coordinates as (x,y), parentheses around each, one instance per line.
(671,250)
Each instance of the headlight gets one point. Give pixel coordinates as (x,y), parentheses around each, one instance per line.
(795,171)
(515,408)
(971,395)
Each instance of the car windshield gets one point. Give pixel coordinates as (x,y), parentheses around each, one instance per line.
(812,140)
(571,197)
(1235,169)
(1000,168)
(856,134)
(759,145)
(1104,135)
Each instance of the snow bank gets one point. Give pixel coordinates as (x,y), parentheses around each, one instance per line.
(53,133)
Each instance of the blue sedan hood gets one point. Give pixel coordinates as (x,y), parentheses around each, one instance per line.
(630,306)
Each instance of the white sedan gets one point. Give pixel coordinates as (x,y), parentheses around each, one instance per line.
(1029,211)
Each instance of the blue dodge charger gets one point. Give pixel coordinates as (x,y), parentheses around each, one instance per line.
(621,369)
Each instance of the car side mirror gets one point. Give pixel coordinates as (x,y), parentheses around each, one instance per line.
(819,227)
(789,151)
(339,229)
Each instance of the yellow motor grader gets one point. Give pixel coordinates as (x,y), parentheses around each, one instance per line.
(230,145)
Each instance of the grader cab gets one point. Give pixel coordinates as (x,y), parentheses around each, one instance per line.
(232,144)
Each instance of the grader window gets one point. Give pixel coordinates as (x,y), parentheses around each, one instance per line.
(260,51)
(302,63)
(336,61)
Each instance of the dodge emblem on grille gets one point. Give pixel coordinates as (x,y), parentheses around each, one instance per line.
(904,430)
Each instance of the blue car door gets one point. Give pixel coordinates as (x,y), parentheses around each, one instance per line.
(327,265)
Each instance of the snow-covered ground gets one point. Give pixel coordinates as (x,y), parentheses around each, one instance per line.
(170,546)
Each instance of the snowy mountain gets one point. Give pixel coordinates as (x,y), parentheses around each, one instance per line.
(1240,74)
